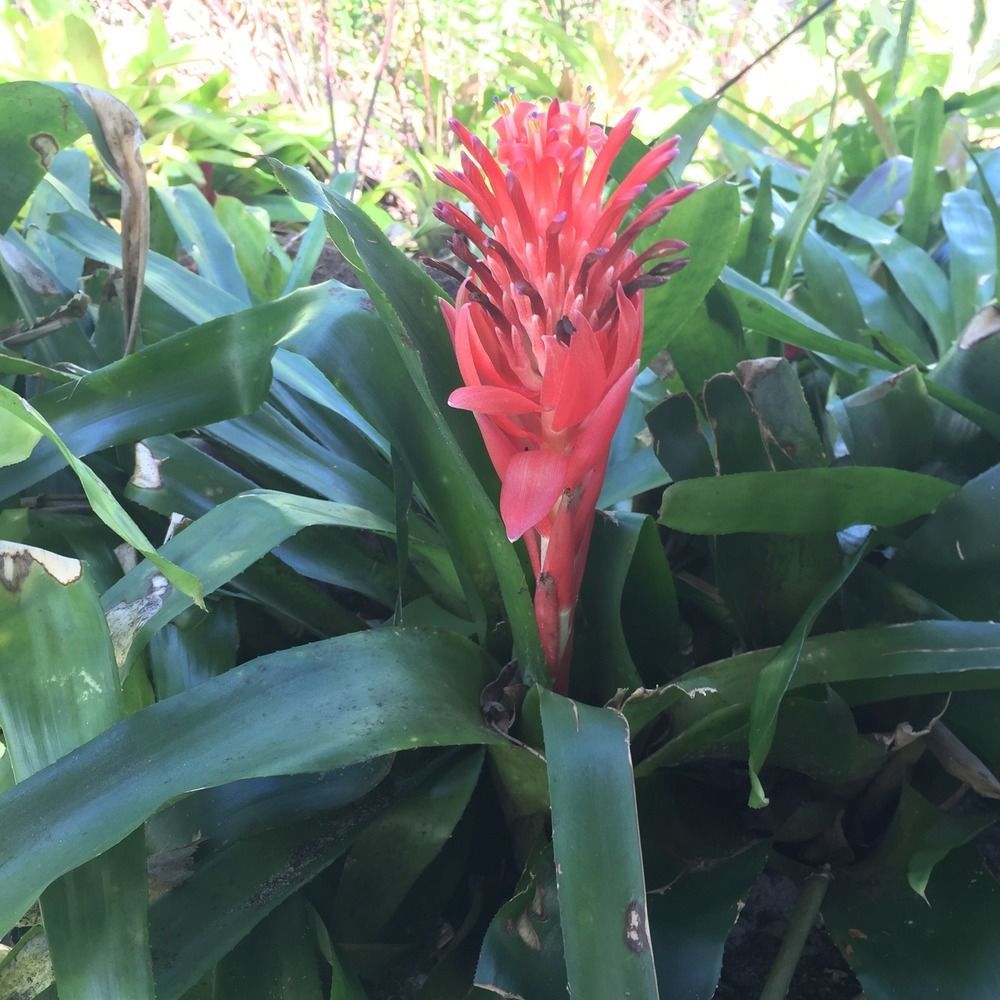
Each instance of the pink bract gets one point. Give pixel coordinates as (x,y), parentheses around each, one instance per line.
(547,328)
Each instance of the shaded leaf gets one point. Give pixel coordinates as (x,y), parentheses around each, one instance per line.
(800,500)
(522,952)
(776,676)
(312,710)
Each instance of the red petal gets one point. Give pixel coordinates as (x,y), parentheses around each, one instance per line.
(594,440)
(533,481)
(491,399)
(582,377)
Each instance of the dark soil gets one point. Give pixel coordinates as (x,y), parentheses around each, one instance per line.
(822,973)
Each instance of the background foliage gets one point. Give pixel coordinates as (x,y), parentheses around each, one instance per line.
(273,712)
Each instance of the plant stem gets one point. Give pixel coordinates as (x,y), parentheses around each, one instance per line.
(800,923)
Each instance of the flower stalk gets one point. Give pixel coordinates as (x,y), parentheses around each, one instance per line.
(547,326)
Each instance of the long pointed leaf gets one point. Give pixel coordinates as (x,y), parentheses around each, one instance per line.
(311,707)
(58,689)
(595,834)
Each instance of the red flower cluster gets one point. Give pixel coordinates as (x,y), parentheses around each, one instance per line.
(547,327)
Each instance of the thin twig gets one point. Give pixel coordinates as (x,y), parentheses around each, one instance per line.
(324,47)
(383,59)
(781,41)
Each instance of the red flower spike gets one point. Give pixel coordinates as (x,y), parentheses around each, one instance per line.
(547,327)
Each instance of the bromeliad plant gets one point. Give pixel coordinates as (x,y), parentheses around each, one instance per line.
(307,747)
(547,328)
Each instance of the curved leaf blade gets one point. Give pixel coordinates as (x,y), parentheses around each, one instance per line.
(312,709)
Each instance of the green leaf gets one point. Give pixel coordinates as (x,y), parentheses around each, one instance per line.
(800,501)
(99,496)
(711,341)
(229,891)
(58,689)
(216,818)
(313,711)
(17,438)
(270,439)
(953,558)
(828,290)
(789,238)
(865,665)
(753,258)
(9,364)
(632,466)
(691,127)
(890,423)
(738,443)
(174,475)
(218,546)
(628,628)
(919,278)
(207,373)
(36,121)
(278,958)
(786,422)
(777,675)
(307,255)
(522,952)
(595,836)
(677,438)
(190,294)
(965,379)
(972,240)
(691,918)
(939,840)
(922,199)
(264,264)
(66,184)
(763,311)
(397,847)
(204,239)
(898,945)
(707,221)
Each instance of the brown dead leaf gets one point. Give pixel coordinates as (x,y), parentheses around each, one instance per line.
(118,138)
